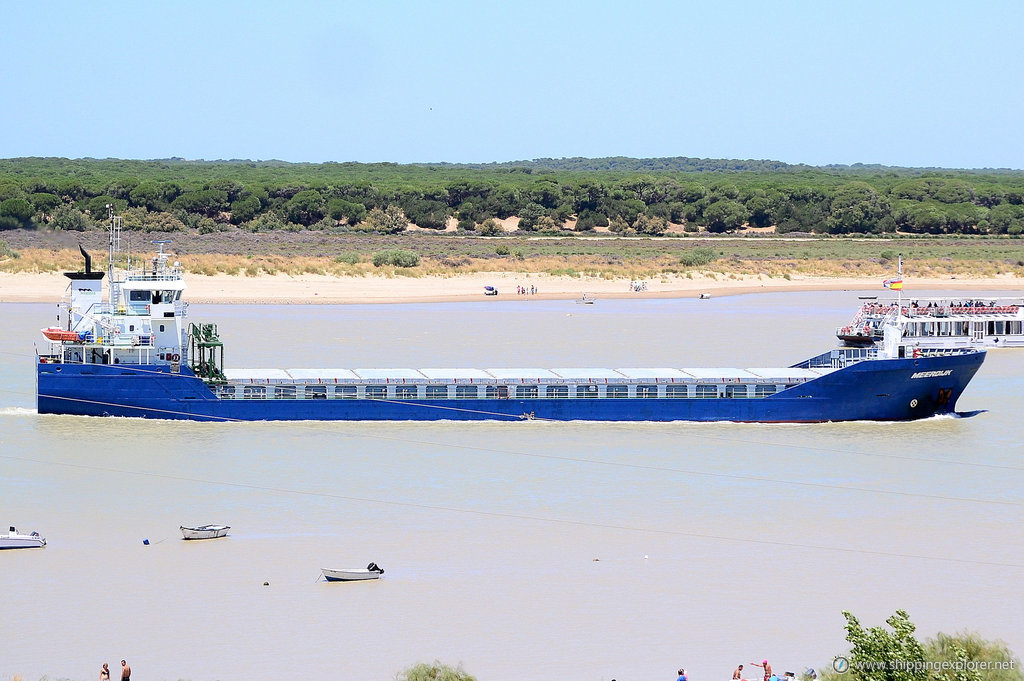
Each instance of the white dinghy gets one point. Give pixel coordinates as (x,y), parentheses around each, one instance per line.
(205,531)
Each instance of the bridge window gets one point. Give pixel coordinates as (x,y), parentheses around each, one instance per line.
(284,392)
(764,390)
(526,392)
(344,392)
(617,391)
(586,391)
(376,392)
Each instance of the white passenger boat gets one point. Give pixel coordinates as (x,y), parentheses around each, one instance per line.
(371,571)
(940,323)
(205,531)
(944,323)
(16,540)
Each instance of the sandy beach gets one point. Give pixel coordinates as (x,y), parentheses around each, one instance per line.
(312,289)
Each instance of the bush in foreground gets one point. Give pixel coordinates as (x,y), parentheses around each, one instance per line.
(435,672)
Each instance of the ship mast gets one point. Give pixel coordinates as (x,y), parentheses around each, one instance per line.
(114,249)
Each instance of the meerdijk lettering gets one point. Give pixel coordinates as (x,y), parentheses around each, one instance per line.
(932,374)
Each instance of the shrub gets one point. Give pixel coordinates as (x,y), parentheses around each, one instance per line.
(435,672)
(490,227)
(396,257)
(698,257)
(347,258)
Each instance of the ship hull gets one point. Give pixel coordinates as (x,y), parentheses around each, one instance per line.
(878,390)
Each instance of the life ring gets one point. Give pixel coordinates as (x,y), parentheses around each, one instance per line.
(917,353)
(175,358)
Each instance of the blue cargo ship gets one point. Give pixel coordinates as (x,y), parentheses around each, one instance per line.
(135,354)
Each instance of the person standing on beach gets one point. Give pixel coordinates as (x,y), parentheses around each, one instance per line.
(126,671)
(767,668)
(105,673)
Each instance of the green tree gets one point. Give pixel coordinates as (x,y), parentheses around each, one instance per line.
(529,215)
(44,202)
(70,219)
(305,208)
(725,215)
(15,214)
(877,654)
(349,212)
(208,202)
(245,209)
(856,207)
(968,650)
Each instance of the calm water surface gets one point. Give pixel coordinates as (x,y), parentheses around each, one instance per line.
(522,550)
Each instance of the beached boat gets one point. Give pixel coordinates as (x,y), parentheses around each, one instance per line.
(371,571)
(205,531)
(585,300)
(17,540)
(139,356)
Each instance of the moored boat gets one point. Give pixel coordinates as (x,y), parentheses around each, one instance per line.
(371,571)
(16,540)
(137,355)
(204,531)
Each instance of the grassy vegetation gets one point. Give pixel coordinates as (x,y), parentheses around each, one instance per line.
(358,254)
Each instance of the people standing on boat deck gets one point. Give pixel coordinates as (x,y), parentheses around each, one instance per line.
(126,671)
(682,675)
(105,673)
(767,668)
(738,674)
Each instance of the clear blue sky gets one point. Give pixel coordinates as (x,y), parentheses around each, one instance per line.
(907,83)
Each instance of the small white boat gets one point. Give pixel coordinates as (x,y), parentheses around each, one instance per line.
(371,571)
(16,540)
(204,531)
(585,300)
(705,296)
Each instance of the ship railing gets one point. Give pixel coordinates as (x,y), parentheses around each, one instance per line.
(838,358)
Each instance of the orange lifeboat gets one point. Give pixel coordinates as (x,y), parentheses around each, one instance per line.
(58,334)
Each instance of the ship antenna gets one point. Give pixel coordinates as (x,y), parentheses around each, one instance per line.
(110,256)
(899,277)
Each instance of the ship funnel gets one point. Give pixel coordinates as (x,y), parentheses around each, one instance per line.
(88,259)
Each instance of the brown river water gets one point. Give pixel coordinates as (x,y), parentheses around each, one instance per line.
(542,551)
